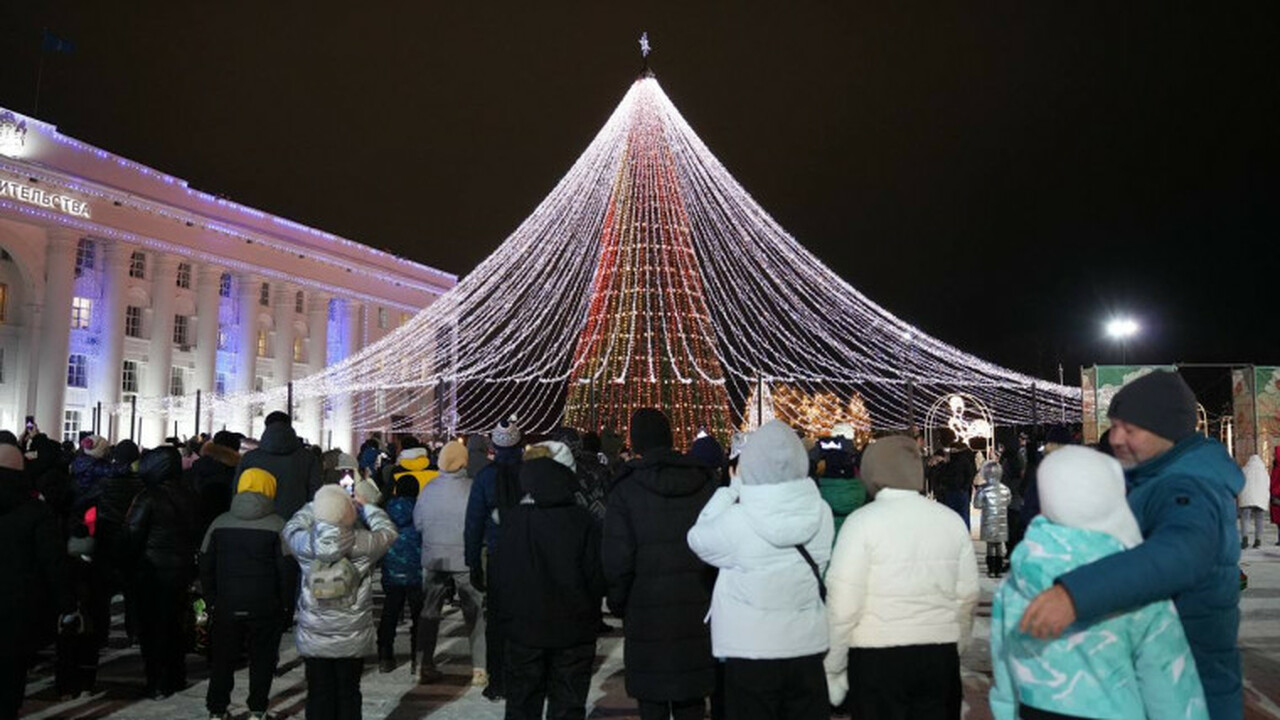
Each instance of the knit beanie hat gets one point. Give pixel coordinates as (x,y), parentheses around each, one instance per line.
(1160,402)
(453,457)
(557,451)
(332,505)
(650,430)
(125,452)
(773,454)
(95,446)
(892,462)
(507,433)
(1082,488)
(367,492)
(844,430)
(406,486)
(257,480)
(707,450)
(411,453)
(346,462)
(227,439)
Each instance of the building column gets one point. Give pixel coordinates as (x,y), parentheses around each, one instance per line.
(155,425)
(312,411)
(282,308)
(344,403)
(55,330)
(207,305)
(110,366)
(246,346)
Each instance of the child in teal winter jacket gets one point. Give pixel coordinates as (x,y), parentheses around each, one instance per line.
(1133,665)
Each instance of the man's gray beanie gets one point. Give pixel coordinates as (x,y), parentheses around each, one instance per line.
(1160,402)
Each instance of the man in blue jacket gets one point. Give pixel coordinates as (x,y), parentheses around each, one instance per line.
(1182,489)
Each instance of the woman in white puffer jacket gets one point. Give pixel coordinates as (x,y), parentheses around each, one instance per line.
(902,588)
(767,617)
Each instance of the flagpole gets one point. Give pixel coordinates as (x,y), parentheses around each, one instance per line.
(35,112)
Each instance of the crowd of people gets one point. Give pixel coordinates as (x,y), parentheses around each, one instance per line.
(769,577)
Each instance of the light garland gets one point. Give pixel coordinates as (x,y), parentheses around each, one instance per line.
(815,413)
(649,276)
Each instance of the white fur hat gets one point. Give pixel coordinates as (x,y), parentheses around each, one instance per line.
(333,505)
(1082,488)
(560,453)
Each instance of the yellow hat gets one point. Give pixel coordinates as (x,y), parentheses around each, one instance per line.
(259,481)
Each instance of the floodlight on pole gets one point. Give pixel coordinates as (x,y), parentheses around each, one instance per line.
(1121,329)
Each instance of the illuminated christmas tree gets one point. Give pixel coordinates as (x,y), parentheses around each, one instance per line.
(650,277)
(648,340)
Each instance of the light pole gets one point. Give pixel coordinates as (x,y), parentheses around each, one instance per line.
(1121,329)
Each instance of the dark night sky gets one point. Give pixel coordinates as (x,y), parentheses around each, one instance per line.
(1048,163)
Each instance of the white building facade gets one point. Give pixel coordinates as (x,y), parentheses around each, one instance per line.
(118,281)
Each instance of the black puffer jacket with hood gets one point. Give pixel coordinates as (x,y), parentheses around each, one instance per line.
(296,469)
(161,526)
(655,580)
(548,568)
(243,567)
(212,476)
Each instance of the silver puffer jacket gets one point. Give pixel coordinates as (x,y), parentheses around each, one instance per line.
(994,499)
(337,629)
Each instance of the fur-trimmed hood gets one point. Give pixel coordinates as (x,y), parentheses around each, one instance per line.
(221,453)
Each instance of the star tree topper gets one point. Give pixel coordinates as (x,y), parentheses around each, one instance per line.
(644,44)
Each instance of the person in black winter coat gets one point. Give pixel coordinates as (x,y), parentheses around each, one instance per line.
(656,584)
(161,542)
(295,468)
(212,476)
(32,590)
(244,573)
(116,492)
(549,576)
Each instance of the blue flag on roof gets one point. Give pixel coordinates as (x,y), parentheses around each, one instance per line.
(54,44)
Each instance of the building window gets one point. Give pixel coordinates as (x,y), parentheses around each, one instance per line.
(264,294)
(299,349)
(177,381)
(184,275)
(181,330)
(85,252)
(220,384)
(299,302)
(259,383)
(81,313)
(138,265)
(404,318)
(129,377)
(262,343)
(382,318)
(70,425)
(222,339)
(77,371)
(224,285)
(4,302)
(132,321)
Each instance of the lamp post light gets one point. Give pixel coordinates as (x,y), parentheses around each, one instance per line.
(1121,329)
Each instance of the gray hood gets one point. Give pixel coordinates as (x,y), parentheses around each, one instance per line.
(772,454)
(251,506)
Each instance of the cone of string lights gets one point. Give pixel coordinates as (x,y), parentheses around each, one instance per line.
(648,339)
(648,277)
